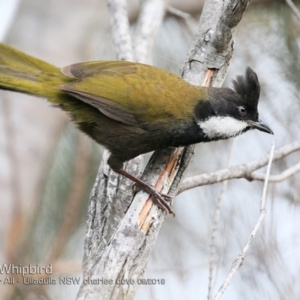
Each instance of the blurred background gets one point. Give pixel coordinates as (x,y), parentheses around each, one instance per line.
(48,168)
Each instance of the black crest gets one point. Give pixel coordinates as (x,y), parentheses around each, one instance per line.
(248,87)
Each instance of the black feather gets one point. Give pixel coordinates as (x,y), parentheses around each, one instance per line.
(248,87)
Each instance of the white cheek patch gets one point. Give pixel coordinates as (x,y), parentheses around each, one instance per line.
(222,127)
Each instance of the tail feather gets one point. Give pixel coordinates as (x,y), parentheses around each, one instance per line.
(15,58)
(23,73)
(26,74)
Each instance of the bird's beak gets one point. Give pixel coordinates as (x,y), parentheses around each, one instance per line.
(260,125)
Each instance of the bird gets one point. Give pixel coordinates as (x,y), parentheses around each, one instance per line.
(132,108)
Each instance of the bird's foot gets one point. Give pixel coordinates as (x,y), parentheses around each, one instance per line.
(160,199)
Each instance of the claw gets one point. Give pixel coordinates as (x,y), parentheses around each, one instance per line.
(158,198)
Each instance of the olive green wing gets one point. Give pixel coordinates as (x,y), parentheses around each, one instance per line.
(130,92)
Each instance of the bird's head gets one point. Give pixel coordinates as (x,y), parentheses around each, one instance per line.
(233,112)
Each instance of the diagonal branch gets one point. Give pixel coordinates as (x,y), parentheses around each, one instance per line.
(294,8)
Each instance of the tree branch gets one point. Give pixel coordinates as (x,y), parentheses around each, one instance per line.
(277,178)
(213,45)
(120,29)
(149,21)
(238,171)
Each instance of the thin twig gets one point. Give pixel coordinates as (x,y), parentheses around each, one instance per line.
(240,259)
(216,225)
(277,178)
(238,171)
(178,13)
(294,8)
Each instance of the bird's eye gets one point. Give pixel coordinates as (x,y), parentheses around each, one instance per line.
(242,110)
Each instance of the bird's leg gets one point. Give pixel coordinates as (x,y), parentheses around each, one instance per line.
(158,198)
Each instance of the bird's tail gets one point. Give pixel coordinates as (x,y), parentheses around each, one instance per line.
(23,73)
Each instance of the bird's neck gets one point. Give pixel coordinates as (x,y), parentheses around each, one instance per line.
(221,127)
